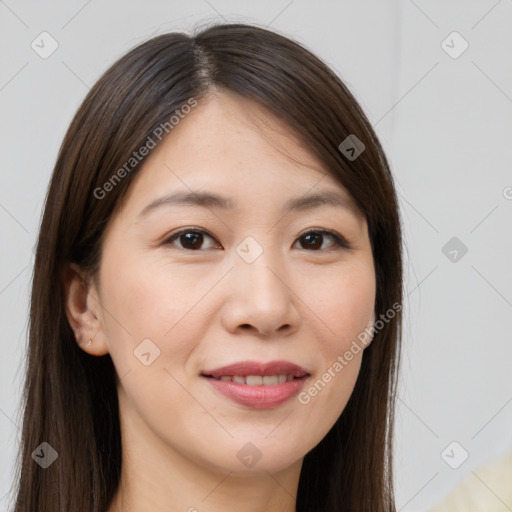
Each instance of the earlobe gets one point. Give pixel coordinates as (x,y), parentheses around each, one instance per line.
(80,306)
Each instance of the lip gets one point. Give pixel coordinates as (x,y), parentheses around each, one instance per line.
(258,397)
(244,368)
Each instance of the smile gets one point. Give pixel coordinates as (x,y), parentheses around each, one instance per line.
(252,392)
(257,380)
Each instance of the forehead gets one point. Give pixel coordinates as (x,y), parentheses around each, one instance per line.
(232,146)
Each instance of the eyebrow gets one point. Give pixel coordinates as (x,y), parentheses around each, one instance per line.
(214,201)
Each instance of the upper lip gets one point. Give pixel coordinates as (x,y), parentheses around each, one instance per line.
(244,368)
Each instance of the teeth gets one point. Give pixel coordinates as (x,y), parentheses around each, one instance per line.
(254,380)
(257,380)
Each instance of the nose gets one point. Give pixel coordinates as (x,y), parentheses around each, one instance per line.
(262,298)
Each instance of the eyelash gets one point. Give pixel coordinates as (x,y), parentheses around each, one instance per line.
(339,240)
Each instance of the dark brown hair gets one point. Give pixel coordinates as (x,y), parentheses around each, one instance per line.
(70,397)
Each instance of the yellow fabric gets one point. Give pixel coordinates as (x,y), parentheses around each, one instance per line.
(487,489)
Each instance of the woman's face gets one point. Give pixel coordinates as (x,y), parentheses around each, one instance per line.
(250,286)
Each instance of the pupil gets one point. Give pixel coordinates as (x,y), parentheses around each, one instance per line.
(313,235)
(192,239)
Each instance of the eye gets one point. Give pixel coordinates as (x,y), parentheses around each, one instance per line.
(193,238)
(315,237)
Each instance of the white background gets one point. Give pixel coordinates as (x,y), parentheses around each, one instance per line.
(446,125)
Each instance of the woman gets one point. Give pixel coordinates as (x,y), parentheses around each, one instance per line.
(216,303)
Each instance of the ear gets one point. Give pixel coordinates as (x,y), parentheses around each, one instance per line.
(84,311)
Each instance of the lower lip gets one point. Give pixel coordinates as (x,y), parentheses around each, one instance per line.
(258,397)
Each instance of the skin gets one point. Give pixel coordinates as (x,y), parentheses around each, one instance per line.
(208,307)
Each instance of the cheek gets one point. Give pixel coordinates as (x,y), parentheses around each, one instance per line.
(148,333)
(133,312)
(343,303)
(148,298)
(343,306)
(325,399)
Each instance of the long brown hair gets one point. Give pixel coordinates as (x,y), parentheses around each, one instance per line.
(70,398)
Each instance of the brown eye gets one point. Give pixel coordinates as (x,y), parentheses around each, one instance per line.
(189,239)
(193,239)
(314,239)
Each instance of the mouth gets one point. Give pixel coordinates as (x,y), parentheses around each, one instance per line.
(255,369)
(257,380)
(258,385)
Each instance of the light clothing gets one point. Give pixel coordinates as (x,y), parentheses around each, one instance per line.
(486,489)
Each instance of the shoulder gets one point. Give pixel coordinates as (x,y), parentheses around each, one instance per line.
(486,489)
